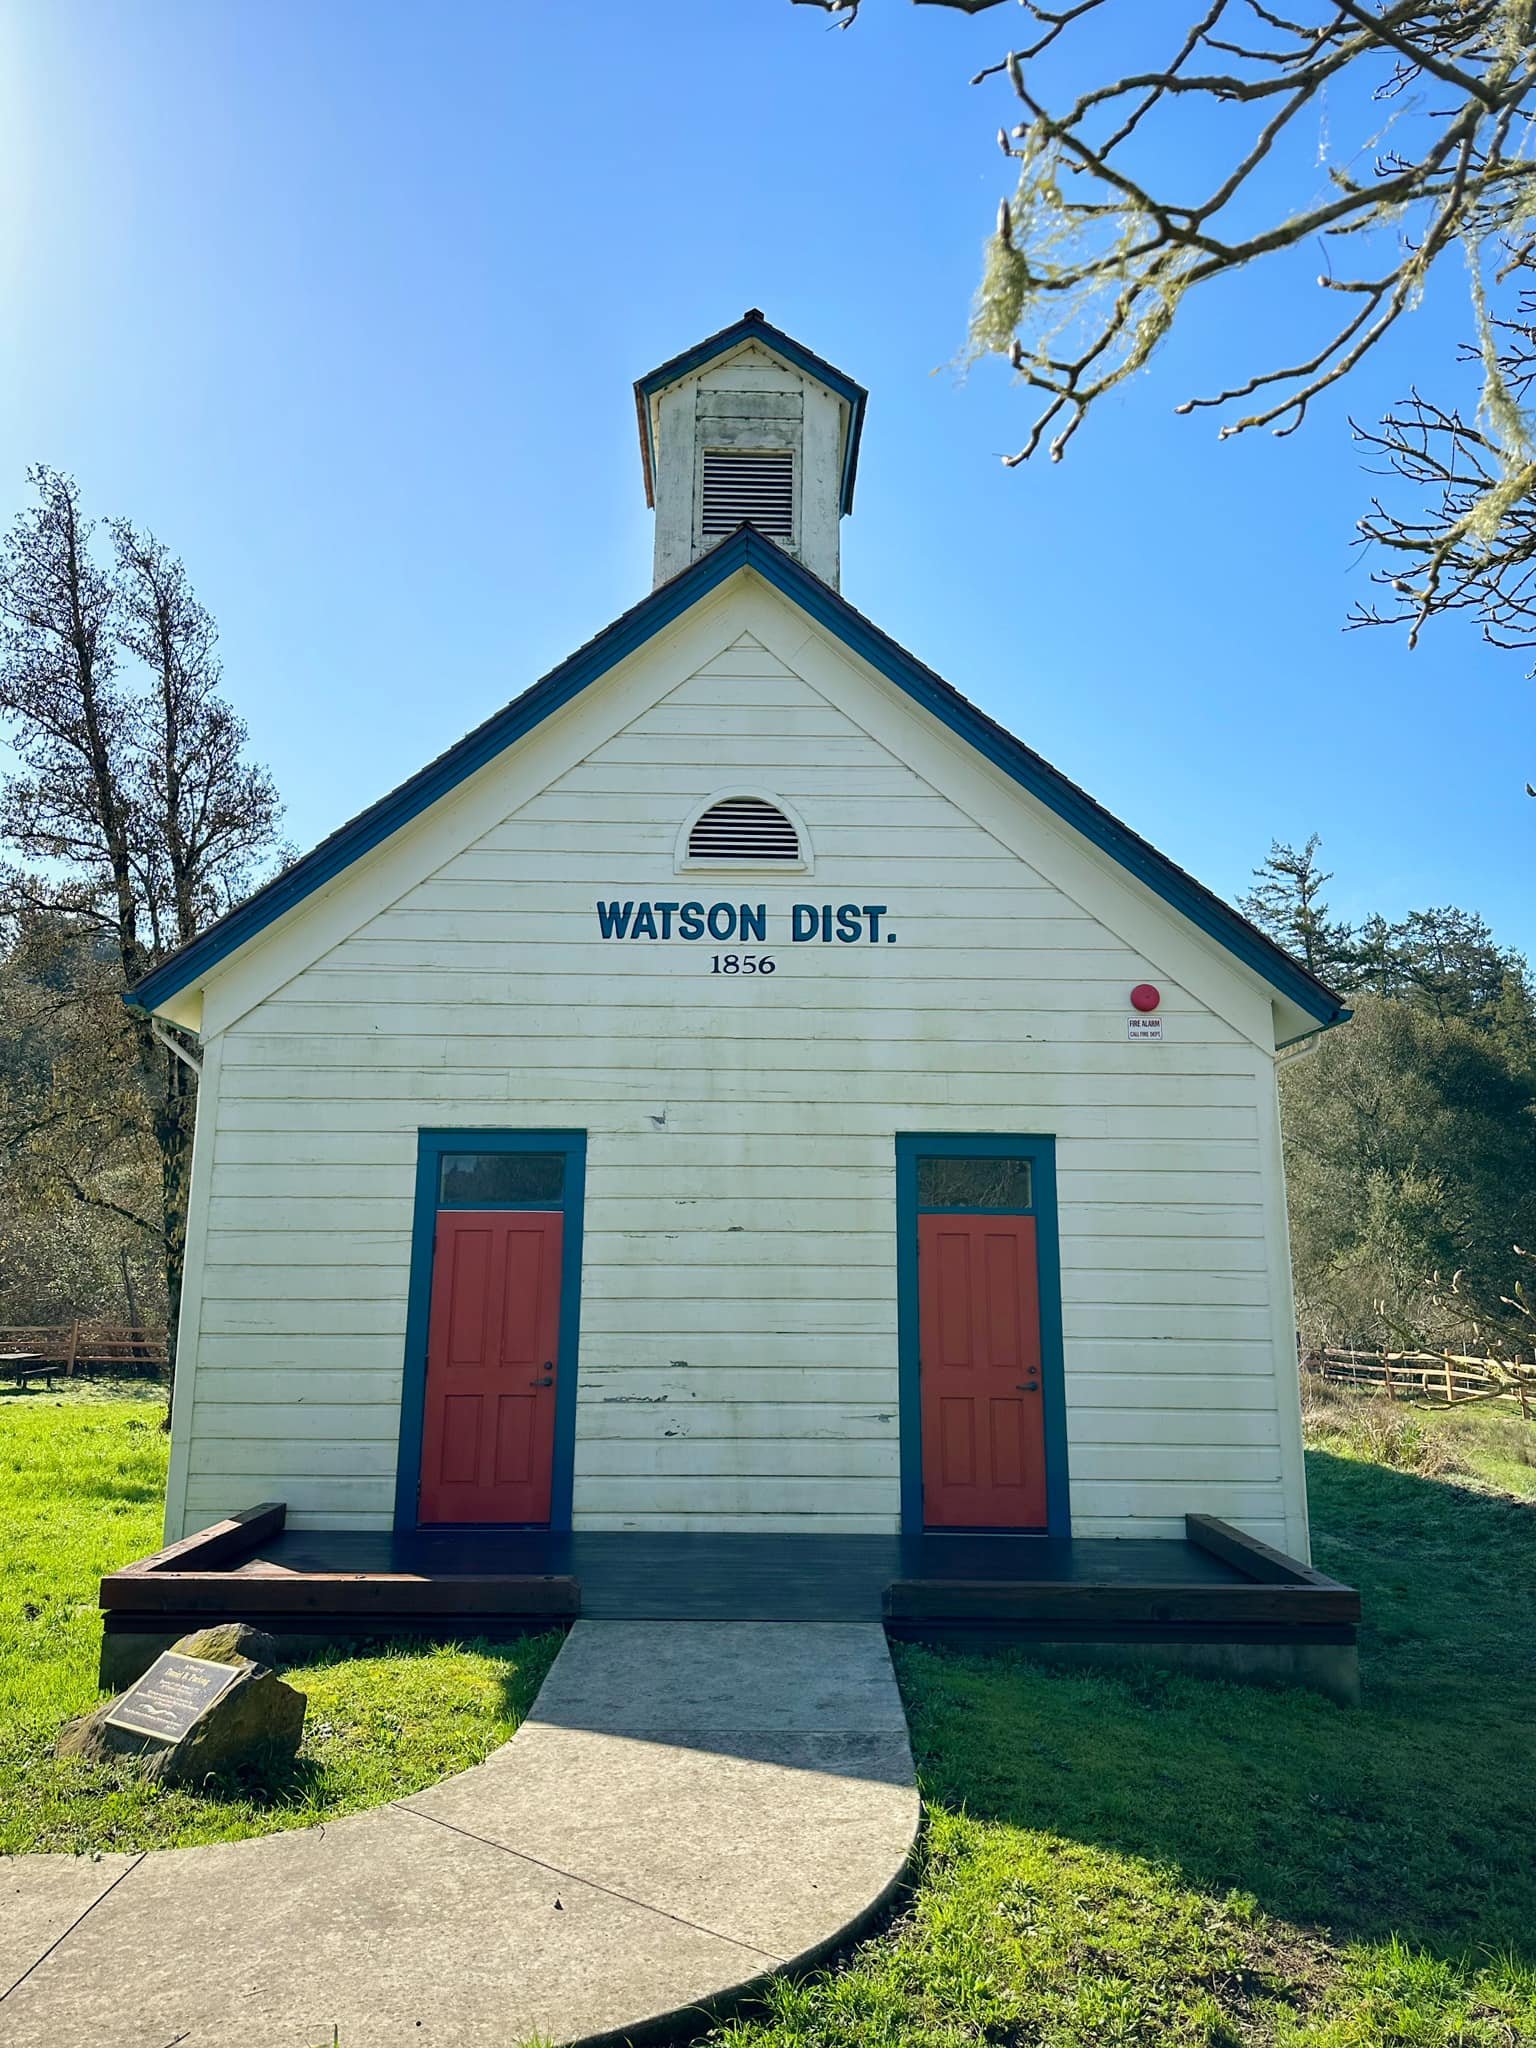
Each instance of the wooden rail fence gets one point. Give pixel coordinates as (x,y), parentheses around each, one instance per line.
(1427,1375)
(135,1348)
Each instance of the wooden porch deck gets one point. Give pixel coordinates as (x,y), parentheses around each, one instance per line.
(1214,1586)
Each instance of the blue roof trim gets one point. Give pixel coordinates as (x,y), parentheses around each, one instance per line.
(745,549)
(753,327)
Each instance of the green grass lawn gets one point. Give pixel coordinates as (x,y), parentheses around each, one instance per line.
(81,1485)
(1107,1863)
(1165,1861)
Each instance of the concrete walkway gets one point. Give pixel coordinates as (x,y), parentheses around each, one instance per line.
(690,1807)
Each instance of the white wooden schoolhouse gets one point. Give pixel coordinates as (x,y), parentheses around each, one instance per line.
(739,1090)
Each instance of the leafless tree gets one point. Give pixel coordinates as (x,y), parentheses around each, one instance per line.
(135,818)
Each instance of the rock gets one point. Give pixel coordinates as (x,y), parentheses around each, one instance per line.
(250,1718)
(230,1642)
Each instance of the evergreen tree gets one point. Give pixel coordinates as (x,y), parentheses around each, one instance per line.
(1410,1143)
(1445,959)
(1286,902)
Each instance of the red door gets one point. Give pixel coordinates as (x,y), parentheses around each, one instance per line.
(488,1436)
(979,1337)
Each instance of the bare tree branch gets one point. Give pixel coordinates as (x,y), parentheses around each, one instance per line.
(1099,245)
(1470,546)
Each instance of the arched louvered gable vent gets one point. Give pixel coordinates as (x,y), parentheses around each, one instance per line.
(752,485)
(743,828)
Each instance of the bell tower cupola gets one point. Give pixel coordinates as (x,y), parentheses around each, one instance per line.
(749,427)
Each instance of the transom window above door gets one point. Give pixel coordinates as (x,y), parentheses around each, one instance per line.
(501,1180)
(944,1182)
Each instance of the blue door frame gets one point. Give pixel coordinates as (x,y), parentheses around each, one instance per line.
(1041,1154)
(431,1146)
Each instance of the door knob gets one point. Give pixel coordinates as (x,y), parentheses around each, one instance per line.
(549,1379)
(1027,1386)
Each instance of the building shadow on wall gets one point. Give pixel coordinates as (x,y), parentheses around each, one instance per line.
(1412,1814)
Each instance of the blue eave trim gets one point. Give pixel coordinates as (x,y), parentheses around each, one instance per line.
(854,395)
(745,549)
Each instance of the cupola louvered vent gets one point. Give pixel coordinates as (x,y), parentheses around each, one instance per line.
(743,828)
(749,484)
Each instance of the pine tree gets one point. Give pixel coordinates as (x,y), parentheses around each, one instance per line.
(1286,902)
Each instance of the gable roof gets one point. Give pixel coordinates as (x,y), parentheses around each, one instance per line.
(752,327)
(745,549)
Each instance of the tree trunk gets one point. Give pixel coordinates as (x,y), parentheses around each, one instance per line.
(130,1300)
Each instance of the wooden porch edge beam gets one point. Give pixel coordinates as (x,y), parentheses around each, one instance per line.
(1000,1600)
(341,1596)
(1255,1560)
(222,1543)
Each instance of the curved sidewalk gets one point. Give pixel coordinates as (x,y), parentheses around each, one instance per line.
(690,1807)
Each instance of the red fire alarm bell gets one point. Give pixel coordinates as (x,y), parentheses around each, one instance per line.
(1144,996)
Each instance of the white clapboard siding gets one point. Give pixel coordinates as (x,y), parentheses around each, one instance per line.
(336,1499)
(801,721)
(388,1102)
(288,1316)
(758,1456)
(813,983)
(787,1023)
(623,1258)
(1176,1498)
(1183,1463)
(697,1133)
(1100,1426)
(820,1522)
(1151,1358)
(1176,1394)
(738,1362)
(1184,1075)
(736,1139)
(293,1248)
(708,1421)
(1196,1252)
(304,1457)
(277,1389)
(1194,1320)
(552,869)
(332,1351)
(1166,1528)
(738,1494)
(820,1285)
(308,1283)
(822,1320)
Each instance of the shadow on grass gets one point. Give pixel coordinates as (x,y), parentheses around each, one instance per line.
(1412,1814)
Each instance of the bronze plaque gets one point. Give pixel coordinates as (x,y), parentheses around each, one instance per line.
(172,1696)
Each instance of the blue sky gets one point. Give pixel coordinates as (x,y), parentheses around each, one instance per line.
(345,302)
